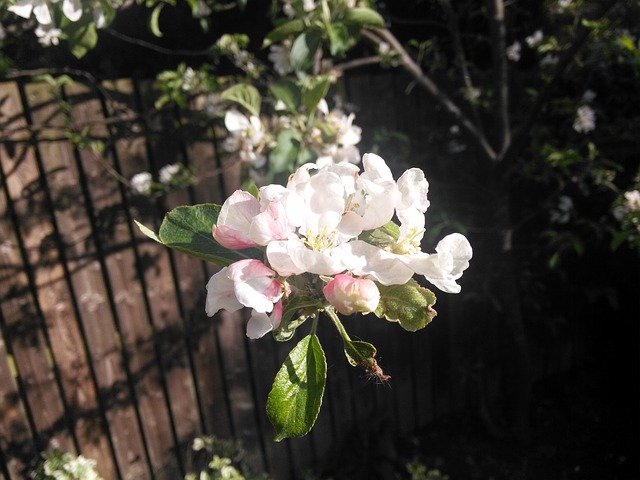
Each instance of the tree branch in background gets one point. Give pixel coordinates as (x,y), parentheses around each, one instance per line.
(454,30)
(499,32)
(380,36)
(357,63)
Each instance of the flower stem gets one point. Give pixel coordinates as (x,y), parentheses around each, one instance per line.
(331,313)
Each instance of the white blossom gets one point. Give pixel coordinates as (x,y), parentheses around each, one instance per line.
(141,182)
(549,60)
(279,56)
(534,39)
(246,138)
(201,9)
(308,5)
(472,93)
(167,172)
(632,200)
(39,8)
(585,120)
(48,35)
(72,9)
(564,4)
(562,213)
(99,17)
(513,51)
(3,33)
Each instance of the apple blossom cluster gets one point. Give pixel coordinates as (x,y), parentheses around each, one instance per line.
(171,175)
(330,134)
(318,238)
(44,12)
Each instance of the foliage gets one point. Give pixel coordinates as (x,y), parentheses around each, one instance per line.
(217,459)
(59,465)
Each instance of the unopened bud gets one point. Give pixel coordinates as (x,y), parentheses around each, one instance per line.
(349,295)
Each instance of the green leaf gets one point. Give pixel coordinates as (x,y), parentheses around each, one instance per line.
(285,153)
(339,39)
(288,92)
(382,236)
(304,49)
(306,155)
(81,37)
(284,31)
(188,229)
(358,352)
(315,91)
(410,305)
(364,17)
(154,24)
(296,396)
(296,310)
(245,95)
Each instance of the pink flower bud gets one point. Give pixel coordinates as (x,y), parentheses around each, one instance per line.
(349,295)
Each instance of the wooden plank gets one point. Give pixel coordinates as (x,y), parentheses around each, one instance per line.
(29,234)
(154,367)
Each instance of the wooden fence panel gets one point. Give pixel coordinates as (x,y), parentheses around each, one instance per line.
(29,295)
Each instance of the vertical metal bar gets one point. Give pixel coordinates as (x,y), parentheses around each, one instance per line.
(33,430)
(4,470)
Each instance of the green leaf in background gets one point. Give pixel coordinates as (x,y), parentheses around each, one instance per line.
(188,229)
(304,49)
(287,92)
(81,36)
(284,31)
(364,17)
(283,156)
(410,305)
(315,90)
(382,236)
(296,396)
(339,39)
(245,95)
(306,155)
(154,22)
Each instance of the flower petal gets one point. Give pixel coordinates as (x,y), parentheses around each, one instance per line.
(363,259)
(221,294)
(258,325)
(72,9)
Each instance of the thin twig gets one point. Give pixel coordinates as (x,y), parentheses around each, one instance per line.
(406,61)
(452,21)
(156,48)
(357,63)
(501,68)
